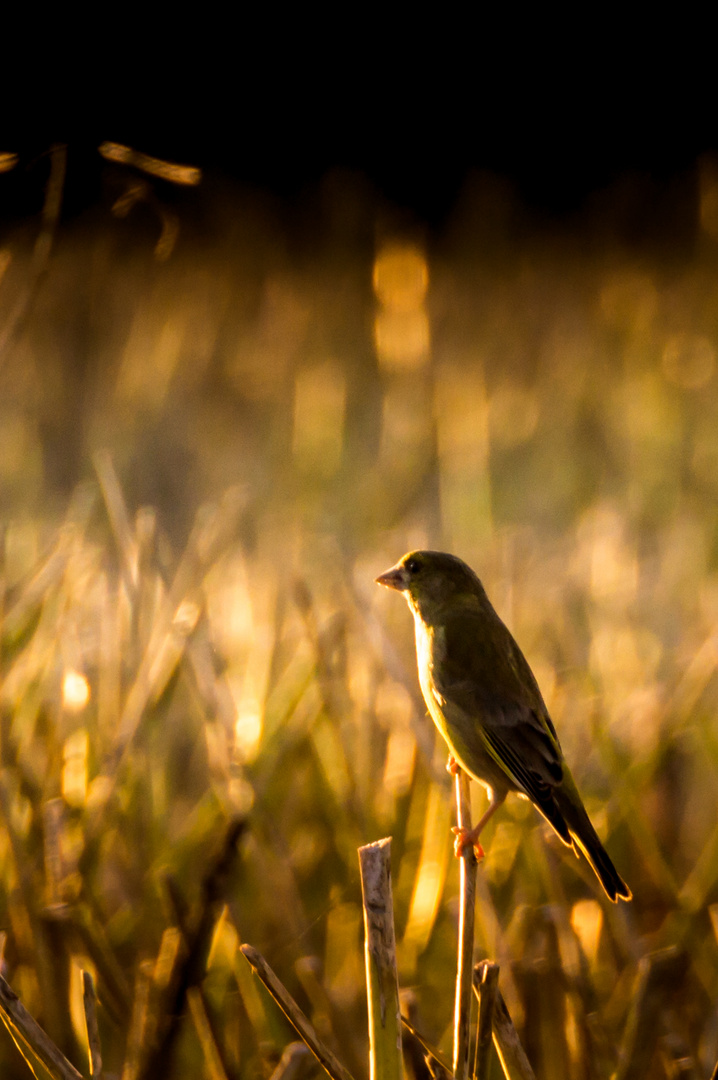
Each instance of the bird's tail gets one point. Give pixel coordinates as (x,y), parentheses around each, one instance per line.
(585,837)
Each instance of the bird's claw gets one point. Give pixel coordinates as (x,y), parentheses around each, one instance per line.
(464,838)
(452,766)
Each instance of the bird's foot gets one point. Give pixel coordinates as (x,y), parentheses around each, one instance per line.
(464,838)
(452,765)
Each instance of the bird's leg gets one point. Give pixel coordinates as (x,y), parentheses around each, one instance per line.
(470,837)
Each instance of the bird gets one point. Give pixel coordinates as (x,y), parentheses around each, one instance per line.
(486,703)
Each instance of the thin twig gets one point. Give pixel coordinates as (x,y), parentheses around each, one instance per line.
(186,175)
(89,1002)
(467,897)
(511,1053)
(380,955)
(487,1000)
(432,1054)
(23,1026)
(294,1014)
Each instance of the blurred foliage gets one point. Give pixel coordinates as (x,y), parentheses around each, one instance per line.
(330,387)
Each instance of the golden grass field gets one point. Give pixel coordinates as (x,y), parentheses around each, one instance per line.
(205,459)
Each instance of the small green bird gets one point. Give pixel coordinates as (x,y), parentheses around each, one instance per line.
(485,701)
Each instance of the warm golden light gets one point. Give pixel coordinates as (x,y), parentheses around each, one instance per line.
(150,359)
(247,729)
(587,922)
(540,402)
(20,549)
(343,959)
(186,616)
(462,432)
(225,942)
(623,656)
(399,764)
(513,414)
(229,604)
(75,691)
(613,562)
(186,175)
(405,427)
(402,338)
(74,769)
(629,301)
(401,277)
(504,845)
(20,450)
(689,360)
(170,945)
(461,410)
(401,326)
(429,879)
(319,403)
(713,912)
(76,1000)
(393,705)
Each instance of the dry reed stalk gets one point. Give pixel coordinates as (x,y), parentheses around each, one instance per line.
(512,1055)
(380,953)
(484,1031)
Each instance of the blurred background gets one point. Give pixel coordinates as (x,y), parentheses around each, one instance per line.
(231,393)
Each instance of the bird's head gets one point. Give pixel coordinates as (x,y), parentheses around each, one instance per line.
(430,579)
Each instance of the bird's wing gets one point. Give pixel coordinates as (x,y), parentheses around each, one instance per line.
(486,677)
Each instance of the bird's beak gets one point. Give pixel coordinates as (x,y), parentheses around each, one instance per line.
(393,579)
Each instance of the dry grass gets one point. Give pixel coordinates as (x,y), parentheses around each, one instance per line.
(550,417)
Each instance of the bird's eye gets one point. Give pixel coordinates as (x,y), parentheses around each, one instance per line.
(412,565)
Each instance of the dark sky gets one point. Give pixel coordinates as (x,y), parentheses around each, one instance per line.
(276,100)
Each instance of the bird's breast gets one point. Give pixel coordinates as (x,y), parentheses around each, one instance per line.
(429,648)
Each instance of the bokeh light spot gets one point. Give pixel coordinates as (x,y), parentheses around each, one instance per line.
(75,691)
(587,923)
(401,327)
(401,277)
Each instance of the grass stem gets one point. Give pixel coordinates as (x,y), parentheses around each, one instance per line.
(329,1062)
(467,898)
